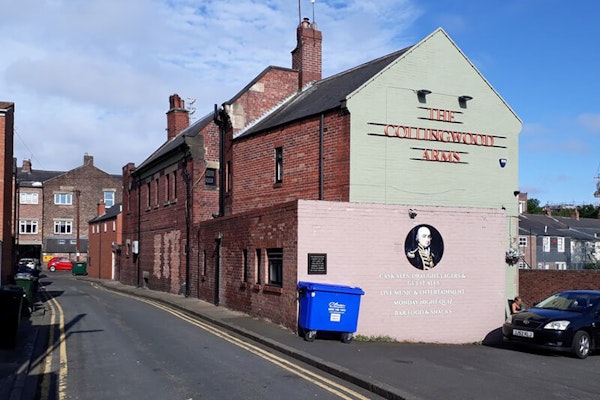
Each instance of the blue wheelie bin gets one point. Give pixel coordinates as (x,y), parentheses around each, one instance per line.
(327,307)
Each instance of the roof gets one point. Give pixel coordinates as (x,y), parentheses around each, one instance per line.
(34,177)
(323,95)
(545,225)
(109,213)
(177,141)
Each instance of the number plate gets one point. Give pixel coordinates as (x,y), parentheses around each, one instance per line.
(518,332)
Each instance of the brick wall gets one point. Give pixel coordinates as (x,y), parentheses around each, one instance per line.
(536,285)
(91,183)
(273,227)
(253,184)
(6,186)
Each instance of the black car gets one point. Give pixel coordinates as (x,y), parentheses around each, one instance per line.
(566,321)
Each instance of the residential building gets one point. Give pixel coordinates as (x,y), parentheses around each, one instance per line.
(54,207)
(340,180)
(30,209)
(70,201)
(105,240)
(559,243)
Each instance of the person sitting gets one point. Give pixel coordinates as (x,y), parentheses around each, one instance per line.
(516,305)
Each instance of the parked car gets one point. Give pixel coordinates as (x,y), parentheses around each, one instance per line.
(566,321)
(60,263)
(29,262)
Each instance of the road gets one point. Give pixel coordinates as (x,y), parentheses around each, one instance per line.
(106,346)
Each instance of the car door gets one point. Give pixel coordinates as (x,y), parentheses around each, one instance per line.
(596,324)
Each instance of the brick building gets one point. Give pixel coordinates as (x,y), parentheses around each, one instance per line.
(7,121)
(70,200)
(105,241)
(335,180)
(29,209)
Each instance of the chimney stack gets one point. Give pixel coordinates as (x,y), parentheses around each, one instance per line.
(307,56)
(26,166)
(88,160)
(178,118)
(101,208)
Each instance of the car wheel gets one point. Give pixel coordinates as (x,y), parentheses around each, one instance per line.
(53,268)
(581,344)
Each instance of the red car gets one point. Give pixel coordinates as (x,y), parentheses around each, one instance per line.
(60,263)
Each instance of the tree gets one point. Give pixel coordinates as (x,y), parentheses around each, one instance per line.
(533,206)
(588,211)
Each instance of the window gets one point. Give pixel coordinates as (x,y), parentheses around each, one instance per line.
(174,183)
(522,241)
(258,266)
(63,227)
(28,198)
(546,244)
(275,257)
(210,177)
(65,199)
(148,197)
(167,187)
(156,191)
(245,265)
(109,197)
(560,244)
(278,164)
(561,265)
(28,226)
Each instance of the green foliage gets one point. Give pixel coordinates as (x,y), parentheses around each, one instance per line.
(592,266)
(533,206)
(585,211)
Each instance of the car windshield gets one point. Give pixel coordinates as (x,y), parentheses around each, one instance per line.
(568,301)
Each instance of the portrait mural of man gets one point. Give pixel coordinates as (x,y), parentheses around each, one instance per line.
(424,247)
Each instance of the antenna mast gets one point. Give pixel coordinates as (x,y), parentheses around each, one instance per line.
(299,13)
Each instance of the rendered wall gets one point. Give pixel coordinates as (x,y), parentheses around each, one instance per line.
(460,300)
(396,159)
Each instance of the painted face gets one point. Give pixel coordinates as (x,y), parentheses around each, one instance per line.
(424,236)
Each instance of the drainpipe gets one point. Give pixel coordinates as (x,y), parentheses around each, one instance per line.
(220,122)
(188,201)
(139,228)
(321,155)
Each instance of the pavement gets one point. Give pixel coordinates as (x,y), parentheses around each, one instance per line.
(390,370)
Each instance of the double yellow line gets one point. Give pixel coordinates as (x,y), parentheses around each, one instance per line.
(45,386)
(312,377)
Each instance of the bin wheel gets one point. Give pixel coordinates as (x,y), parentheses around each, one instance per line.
(310,336)
(347,337)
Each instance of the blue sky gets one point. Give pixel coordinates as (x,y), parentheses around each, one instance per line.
(95,76)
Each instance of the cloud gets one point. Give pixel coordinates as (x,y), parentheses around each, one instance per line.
(590,121)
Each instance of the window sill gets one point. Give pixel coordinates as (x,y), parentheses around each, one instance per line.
(273,289)
(256,287)
(277,185)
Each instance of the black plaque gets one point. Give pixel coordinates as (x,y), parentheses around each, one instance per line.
(317,263)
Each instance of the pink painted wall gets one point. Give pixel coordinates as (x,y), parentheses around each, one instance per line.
(460,300)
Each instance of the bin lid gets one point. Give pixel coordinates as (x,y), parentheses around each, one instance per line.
(328,287)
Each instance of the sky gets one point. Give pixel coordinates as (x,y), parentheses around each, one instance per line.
(95,76)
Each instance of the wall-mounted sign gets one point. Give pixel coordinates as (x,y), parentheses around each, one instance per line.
(438,136)
(317,263)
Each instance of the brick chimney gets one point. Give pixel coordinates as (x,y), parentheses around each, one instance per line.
(101,209)
(88,160)
(306,57)
(26,168)
(178,118)
(575,214)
